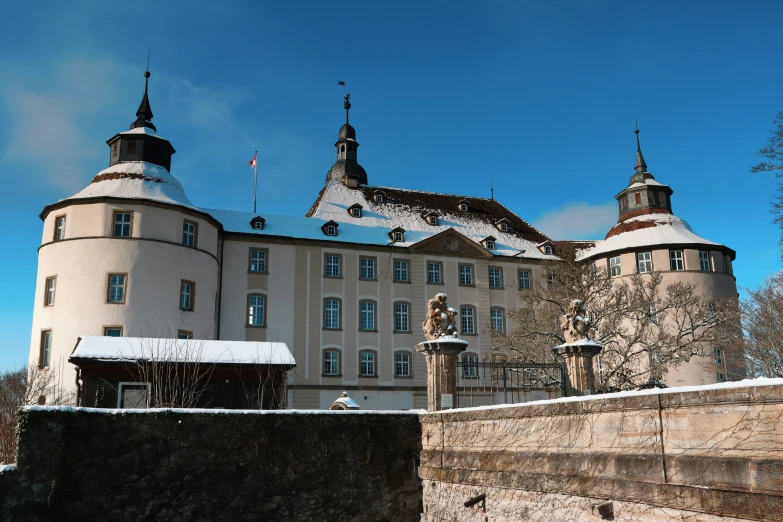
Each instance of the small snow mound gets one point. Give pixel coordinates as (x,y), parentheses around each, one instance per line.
(4,468)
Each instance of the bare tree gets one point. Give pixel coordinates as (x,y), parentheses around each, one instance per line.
(773,162)
(644,325)
(24,387)
(756,334)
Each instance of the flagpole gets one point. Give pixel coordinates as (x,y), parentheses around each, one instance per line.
(255,180)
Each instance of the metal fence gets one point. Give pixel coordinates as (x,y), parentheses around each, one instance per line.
(502,382)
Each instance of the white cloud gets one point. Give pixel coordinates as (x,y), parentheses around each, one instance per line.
(578,221)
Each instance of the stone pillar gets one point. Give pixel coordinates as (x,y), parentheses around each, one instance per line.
(580,376)
(441,358)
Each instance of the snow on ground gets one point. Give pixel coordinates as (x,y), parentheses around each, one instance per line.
(7,467)
(668,230)
(220,411)
(182,350)
(136,180)
(746,383)
(337,198)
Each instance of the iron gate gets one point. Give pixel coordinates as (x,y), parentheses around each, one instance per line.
(503,382)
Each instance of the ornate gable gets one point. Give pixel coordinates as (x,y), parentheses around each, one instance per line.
(450,243)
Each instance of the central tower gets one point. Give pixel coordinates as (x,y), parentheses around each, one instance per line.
(347,168)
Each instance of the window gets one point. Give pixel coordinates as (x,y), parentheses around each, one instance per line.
(399,237)
(675,260)
(184,334)
(401,314)
(615,269)
(718,356)
(653,317)
(638,198)
(497,319)
(504,227)
(468,320)
(131,147)
(116,292)
(721,377)
(114,148)
(331,230)
(623,203)
(332,314)
(495,278)
(51,282)
(256,305)
(379,198)
(401,271)
(45,354)
(662,199)
(466,275)
(722,267)
(367,364)
(366,268)
(189,234)
(356,212)
(550,281)
(134,395)
(258,260)
(490,244)
(366,315)
(463,207)
(524,280)
(402,364)
(644,260)
(432,220)
(704,260)
(258,225)
(470,366)
(332,266)
(434,273)
(187,294)
(122,224)
(548,250)
(331,363)
(59,228)
(112,331)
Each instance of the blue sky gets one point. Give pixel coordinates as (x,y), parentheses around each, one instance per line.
(543,94)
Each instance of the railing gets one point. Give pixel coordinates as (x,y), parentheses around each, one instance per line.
(502,382)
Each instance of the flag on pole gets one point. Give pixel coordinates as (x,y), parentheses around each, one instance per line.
(341,83)
(253,161)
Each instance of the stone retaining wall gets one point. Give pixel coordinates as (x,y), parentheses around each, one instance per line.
(77,464)
(662,456)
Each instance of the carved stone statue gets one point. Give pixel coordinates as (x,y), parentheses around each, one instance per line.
(576,323)
(441,319)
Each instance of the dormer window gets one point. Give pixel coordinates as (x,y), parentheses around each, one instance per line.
(330,228)
(431,218)
(355,210)
(463,206)
(502,225)
(489,243)
(548,250)
(257,223)
(378,197)
(397,235)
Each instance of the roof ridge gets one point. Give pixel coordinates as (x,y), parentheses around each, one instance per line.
(428,192)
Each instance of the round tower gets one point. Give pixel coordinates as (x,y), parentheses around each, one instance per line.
(129,255)
(347,169)
(648,236)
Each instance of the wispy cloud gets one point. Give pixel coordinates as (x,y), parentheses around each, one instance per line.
(578,221)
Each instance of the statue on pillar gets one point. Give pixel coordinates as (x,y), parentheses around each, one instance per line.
(441,319)
(576,323)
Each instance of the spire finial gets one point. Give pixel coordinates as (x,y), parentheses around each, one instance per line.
(144,112)
(347,105)
(641,166)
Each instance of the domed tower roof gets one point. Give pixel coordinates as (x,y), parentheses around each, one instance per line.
(347,169)
(139,164)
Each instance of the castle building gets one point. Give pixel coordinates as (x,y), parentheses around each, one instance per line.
(345,286)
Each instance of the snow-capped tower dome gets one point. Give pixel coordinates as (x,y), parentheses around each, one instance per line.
(649,237)
(129,252)
(347,168)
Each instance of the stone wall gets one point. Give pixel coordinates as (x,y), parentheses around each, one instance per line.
(81,464)
(699,456)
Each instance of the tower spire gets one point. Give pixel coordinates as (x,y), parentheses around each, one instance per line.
(641,166)
(347,105)
(144,112)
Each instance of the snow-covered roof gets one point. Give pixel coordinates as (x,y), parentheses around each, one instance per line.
(644,231)
(143,130)
(136,180)
(347,401)
(407,208)
(181,350)
(649,181)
